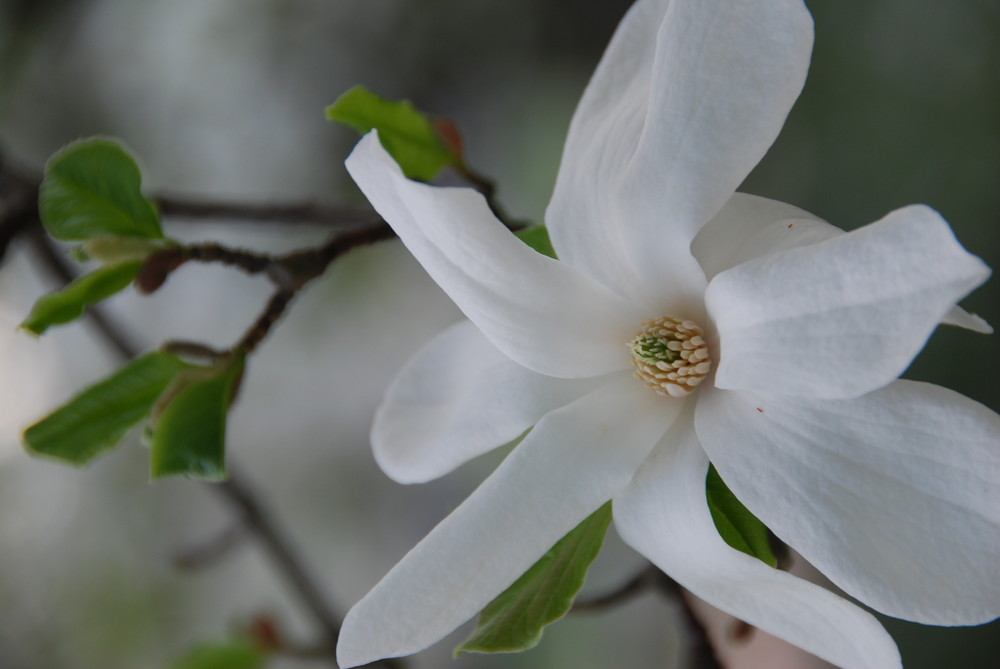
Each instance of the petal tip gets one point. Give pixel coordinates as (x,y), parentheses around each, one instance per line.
(354,647)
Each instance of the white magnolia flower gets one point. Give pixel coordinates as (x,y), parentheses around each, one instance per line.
(794,330)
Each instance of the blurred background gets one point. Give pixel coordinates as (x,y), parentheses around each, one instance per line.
(224,99)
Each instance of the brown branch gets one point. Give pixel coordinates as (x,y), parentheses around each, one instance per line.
(181,207)
(635,586)
(18,204)
(208,552)
(701,653)
(488,189)
(273,312)
(290,272)
(241,495)
(248,261)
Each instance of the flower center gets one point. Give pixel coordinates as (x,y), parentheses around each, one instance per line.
(670,355)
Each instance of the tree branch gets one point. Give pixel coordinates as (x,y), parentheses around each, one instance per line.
(177,206)
(18,217)
(241,495)
(701,653)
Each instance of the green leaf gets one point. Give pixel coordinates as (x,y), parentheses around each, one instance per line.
(407,134)
(544,594)
(537,237)
(117,250)
(92,188)
(737,526)
(68,304)
(228,655)
(96,420)
(190,431)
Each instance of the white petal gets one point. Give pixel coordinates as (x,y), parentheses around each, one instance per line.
(541,313)
(573,461)
(664,515)
(961,318)
(895,495)
(458,398)
(687,99)
(841,317)
(749,226)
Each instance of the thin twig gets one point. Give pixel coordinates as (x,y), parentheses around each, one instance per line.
(248,261)
(242,496)
(18,205)
(635,586)
(290,272)
(274,310)
(181,207)
(488,189)
(211,551)
(701,652)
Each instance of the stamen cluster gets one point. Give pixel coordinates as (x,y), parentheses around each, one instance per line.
(670,355)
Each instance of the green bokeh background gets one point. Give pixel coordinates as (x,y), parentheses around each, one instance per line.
(225,98)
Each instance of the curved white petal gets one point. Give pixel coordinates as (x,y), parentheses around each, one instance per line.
(543,314)
(458,398)
(895,496)
(573,461)
(664,515)
(686,100)
(749,226)
(841,317)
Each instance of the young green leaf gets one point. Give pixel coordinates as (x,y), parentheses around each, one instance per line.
(114,250)
(227,655)
(408,135)
(189,434)
(737,526)
(537,237)
(96,420)
(92,188)
(515,619)
(68,304)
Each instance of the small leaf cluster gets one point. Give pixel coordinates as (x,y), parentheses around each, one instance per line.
(415,141)
(91,194)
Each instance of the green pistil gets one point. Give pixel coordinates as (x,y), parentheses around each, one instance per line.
(654,349)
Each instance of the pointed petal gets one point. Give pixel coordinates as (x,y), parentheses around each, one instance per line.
(895,496)
(540,312)
(687,99)
(458,398)
(751,227)
(573,461)
(841,317)
(959,317)
(664,515)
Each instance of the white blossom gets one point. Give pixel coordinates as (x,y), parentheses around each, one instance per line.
(891,488)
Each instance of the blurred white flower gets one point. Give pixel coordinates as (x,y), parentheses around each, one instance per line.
(684,323)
